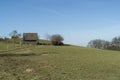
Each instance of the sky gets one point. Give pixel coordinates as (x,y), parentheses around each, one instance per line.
(78,21)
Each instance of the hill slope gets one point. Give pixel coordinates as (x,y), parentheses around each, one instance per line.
(59,63)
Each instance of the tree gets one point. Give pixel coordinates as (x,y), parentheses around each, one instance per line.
(98,43)
(102,44)
(115,44)
(47,36)
(116,41)
(57,39)
(14,36)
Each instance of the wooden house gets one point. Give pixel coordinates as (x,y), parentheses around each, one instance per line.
(30,38)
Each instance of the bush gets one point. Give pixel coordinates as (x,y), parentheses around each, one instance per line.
(57,43)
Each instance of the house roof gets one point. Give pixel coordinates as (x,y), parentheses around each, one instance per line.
(30,36)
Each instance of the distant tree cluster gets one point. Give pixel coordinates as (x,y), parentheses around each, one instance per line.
(102,44)
(98,43)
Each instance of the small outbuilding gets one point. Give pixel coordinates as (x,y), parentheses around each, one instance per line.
(30,38)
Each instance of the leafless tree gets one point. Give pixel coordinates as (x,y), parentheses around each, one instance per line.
(98,43)
(57,39)
(14,36)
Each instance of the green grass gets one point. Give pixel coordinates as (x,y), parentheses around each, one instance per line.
(59,63)
(8,46)
(44,42)
(5,46)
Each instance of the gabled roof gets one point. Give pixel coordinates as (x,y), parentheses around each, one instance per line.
(30,36)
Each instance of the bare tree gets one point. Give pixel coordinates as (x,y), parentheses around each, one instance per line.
(116,41)
(47,36)
(57,39)
(98,43)
(102,44)
(14,36)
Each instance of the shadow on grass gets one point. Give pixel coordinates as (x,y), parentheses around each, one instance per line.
(26,54)
(16,55)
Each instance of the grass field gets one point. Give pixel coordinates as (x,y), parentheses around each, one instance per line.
(9,44)
(59,63)
(5,46)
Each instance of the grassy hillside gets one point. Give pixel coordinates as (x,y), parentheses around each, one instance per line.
(59,63)
(6,46)
(44,42)
(9,44)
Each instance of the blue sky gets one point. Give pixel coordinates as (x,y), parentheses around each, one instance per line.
(78,21)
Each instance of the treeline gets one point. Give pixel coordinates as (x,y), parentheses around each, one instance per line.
(114,44)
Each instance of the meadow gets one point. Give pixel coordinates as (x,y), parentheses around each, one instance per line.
(59,63)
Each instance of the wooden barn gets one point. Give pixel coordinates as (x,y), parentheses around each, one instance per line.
(30,38)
